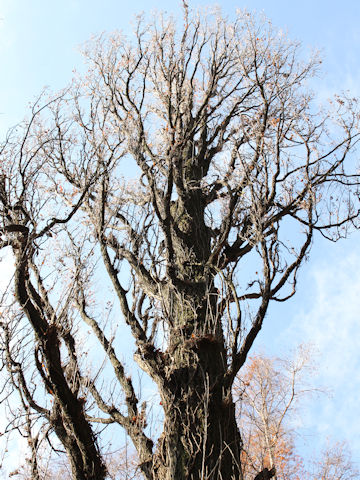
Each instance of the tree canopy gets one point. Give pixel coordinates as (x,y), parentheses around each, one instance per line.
(190,169)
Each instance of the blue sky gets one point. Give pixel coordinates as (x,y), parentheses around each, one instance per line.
(39,43)
(39,39)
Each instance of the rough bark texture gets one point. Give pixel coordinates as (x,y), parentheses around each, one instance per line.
(67,416)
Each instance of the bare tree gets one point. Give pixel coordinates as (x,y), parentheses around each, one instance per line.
(269,393)
(192,169)
(336,464)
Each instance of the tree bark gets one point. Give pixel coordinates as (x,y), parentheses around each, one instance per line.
(200,438)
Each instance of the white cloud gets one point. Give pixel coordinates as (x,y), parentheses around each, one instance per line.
(7,269)
(331,322)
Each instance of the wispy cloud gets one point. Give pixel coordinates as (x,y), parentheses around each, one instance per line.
(331,323)
(7,269)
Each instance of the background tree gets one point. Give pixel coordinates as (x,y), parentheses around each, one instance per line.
(269,392)
(335,464)
(270,395)
(235,170)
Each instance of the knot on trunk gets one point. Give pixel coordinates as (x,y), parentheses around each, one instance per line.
(266,474)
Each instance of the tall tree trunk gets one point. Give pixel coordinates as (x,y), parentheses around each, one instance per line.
(200,439)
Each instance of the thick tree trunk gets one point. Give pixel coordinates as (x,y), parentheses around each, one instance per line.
(200,439)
